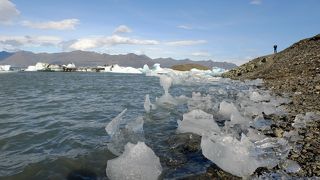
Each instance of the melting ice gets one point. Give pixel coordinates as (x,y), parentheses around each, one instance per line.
(138,161)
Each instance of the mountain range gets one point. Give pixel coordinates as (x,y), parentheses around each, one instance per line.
(88,58)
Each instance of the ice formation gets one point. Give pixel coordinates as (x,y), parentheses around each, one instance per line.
(200,102)
(257,97)
(290,166)
(5,68)
(198,122)
(226,109)
(138,161)
(71,65)
(119,69)
(145,69)
(301,120)
(38,67)
(114,125)
(242,157)
(166,83)
(237,118)
(147,104)
(120,136)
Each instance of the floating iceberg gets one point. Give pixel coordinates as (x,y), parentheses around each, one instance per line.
(198,122)
(138,161)
(38,67)
(5,68)
(145,69)
(119,69)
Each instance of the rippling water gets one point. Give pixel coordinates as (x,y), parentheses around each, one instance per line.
(52,124)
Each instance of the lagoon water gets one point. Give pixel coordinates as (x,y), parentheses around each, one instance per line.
(52,125)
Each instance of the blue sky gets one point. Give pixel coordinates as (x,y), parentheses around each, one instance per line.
(220,30)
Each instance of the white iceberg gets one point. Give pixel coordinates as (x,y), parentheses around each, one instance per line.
(119,69)
(138,161)
(5,68)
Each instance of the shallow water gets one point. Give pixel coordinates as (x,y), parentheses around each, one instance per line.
(52,124)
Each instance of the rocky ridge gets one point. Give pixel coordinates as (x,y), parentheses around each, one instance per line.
(295,73)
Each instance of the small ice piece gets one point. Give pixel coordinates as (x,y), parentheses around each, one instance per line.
(292,136)
(257,97)
(165,82)
(226,109)
(147,104)
(273,175)
(200,102)
(138,161)
(135,125)
(166,101)
(301,120)
(237,118)
(114,125)
(290,166)
(242,158)
(262,124)
(131,132)
(256,82)
(198,122)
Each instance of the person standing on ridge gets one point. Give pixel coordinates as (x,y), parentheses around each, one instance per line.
(275,49)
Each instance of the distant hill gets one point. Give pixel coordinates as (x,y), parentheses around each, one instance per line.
(188,67)
(4,55)
(86,58)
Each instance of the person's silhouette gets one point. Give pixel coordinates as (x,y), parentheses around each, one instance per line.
(275,48)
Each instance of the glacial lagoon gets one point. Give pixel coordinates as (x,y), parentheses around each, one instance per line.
(56,125)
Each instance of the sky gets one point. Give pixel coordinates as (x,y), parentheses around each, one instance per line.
(220,30)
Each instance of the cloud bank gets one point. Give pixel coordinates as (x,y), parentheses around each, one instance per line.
(97,42)
(200,54)
(8,12)
(186,42)
(66,24)
(16,42)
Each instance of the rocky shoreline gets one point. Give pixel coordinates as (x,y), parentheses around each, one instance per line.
(294,73)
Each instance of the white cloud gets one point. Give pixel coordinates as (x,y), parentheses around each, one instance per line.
(186,42)
(122,29)
(200,54)
(65,24)
(15,42)
(8,11)
(96,42)
(256,2)
(185,27)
